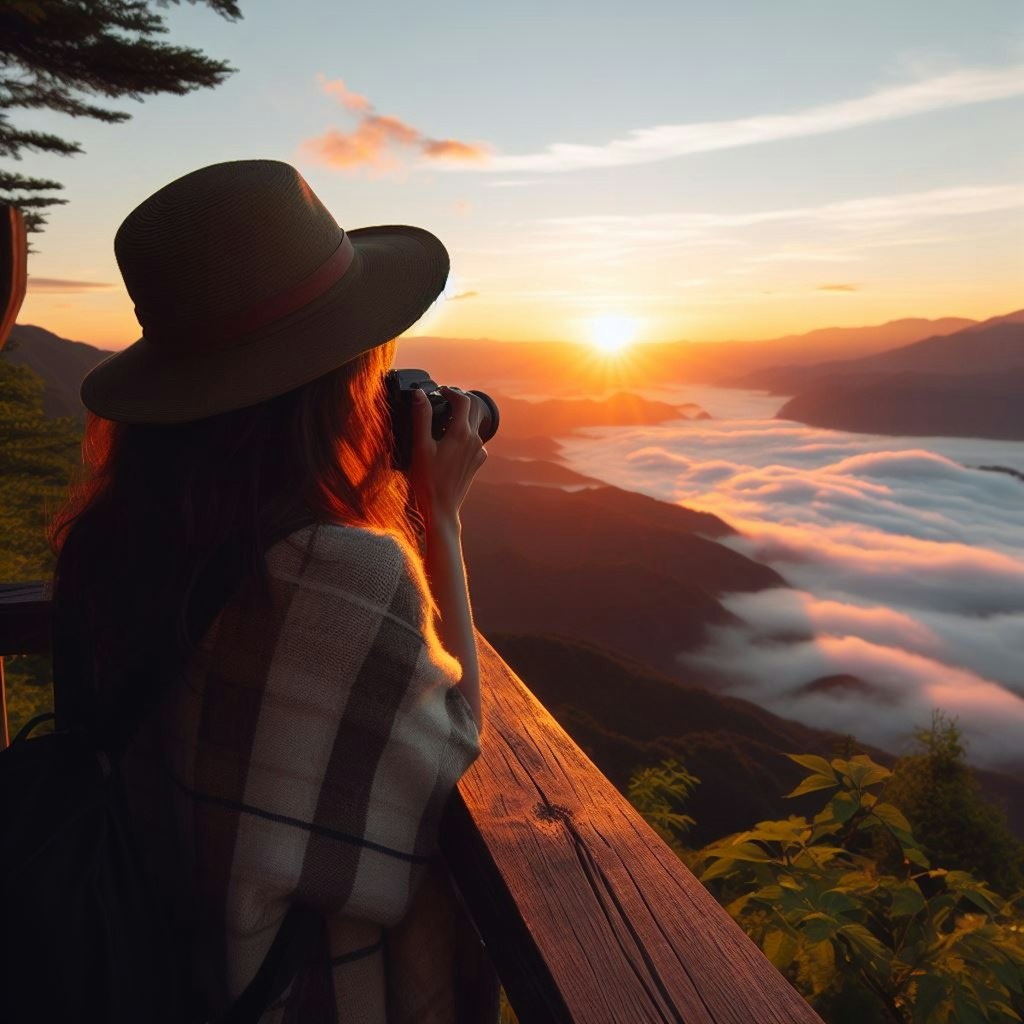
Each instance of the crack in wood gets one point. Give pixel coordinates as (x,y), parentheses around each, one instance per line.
(658,925)
(598,882)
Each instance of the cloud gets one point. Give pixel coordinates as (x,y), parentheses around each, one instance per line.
(833,232)
(848,214)
(903,689)
(514,182)
(838,288)
(463,295)
(906,565)
(336,88)
(374,138)
(453,149)
(60,284)
(663,142)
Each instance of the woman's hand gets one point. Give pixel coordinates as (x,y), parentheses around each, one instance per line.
(441,471)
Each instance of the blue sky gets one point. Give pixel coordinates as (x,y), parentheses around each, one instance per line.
(738,170)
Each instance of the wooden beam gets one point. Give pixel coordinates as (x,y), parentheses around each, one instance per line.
(24,618)
(587,914)
(13,267)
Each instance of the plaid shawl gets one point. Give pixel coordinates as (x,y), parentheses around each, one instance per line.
(307,756)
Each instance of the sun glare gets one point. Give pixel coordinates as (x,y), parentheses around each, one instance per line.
(612,333)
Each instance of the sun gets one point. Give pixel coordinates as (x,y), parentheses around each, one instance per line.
(612,333)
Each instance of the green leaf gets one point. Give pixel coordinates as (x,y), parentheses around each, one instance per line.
(813,763)
(967,1009)
(821,960)
(843,807)
(814,782)
(1010,976)
(790,830)
(722,866)
(835,902)
(932,990)
(737,906)
(971,889)
(749,851)
(915,856)
(867,943)
(865,772)
(780,947)
(892,816)
(906,901)
(817,926)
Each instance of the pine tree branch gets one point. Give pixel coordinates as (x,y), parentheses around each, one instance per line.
(11,182)
(34,95)
(226,8)
(11,140)
(27,202)
(52,49)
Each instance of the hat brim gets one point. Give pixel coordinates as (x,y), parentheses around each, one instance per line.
(396,274)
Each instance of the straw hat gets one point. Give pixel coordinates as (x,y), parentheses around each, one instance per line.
(246,287)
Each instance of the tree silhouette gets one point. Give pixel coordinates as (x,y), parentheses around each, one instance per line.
(56,54)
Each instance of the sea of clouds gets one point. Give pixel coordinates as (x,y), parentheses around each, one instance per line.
(905,563)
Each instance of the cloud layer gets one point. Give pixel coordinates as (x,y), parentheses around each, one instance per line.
(376,137)
(663,142)
(61,284)
(906,561)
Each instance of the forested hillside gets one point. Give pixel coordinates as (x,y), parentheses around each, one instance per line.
(38,454)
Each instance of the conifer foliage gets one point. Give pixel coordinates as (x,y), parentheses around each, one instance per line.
(59,54)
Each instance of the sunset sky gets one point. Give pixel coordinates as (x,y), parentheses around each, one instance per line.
(699,170)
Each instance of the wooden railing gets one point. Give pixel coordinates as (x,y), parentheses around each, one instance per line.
(587,914)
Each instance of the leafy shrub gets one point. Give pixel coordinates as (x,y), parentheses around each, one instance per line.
(661,790)
(919,945)
(936,789)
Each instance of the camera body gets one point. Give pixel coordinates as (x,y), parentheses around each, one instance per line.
(399,386)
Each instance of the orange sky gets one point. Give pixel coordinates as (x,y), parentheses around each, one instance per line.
(823,166)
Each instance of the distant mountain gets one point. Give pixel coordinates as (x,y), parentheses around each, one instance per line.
(61,363)
(640,576)
(993,346)
(559,368)
(987,405)
(624,716)
(842,685)
(521,418)
(966,384)
(498,469)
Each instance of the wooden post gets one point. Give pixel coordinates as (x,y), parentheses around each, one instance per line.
(13,281)
(5,736)
(13,267)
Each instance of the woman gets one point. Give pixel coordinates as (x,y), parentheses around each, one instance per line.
(304,749)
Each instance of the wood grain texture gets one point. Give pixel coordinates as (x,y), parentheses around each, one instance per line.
(585,911)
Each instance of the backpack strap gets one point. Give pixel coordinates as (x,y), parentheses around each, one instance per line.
(295,939)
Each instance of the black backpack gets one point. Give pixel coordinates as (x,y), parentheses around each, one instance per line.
(81,935)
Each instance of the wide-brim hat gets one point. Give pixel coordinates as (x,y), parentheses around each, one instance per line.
(246,287)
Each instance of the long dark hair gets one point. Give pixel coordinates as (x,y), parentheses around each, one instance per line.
(154,502)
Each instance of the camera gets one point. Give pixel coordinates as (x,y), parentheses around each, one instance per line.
(399,386)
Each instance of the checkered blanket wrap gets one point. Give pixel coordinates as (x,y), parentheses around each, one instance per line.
(308,754)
